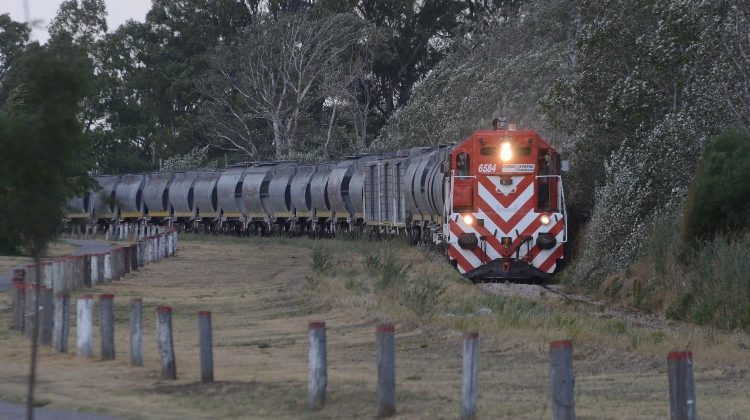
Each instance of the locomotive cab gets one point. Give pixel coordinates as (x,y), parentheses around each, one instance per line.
(506,206)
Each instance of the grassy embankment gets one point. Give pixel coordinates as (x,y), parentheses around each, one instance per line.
(263,291)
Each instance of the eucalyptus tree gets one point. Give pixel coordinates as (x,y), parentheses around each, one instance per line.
(269,73)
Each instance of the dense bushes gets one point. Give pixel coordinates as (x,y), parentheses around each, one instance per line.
(718,200)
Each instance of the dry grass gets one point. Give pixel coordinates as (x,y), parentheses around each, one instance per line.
(264,291)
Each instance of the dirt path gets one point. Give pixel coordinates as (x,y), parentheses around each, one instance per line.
(261,303)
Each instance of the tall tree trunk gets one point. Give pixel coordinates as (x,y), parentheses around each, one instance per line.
(277,140)
(330,130)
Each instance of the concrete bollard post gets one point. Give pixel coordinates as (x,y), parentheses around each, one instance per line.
(141,253)
(47,273)
(115,263)
(94,269)
(470,388)
(134,253)
(136,332)
(85,326)
(681,386)
(78,271)
(68,273)
(386,370)
(118,270)
(149,246)
(30,309)
(206,345)
(107,326)
(19,301)
(46,315)
(87,270)
(317,379)
(58,276)
(126,257)
(100,268)
(61,328)
(561,380)
(164,342)
(108,267)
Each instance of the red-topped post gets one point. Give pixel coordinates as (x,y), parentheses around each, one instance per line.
(561,380)
(206,345)
(385,344)
(681,385)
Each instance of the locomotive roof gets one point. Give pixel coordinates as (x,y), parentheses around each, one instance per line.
(510,133)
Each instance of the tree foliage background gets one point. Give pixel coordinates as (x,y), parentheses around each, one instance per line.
(628,90)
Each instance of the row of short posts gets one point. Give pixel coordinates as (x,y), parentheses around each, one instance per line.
(561,377)
(118,232)
(124,231)
(60,276)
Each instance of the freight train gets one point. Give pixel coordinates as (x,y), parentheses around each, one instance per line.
(494,202)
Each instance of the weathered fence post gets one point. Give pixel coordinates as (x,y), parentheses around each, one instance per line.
(681,386)
(107,326)
(108,267)
(206,344)
(62,323)
(77,271)
(136,332)
(561,380)
(58,276)
(318,365)
(47,273)
(46,315)
(142,252)
(470,388)
(19,301)
(87,270)
(164,342)
(386,370)
(134,253)
(85,326)
(126,251)
(31,304)
(68,273)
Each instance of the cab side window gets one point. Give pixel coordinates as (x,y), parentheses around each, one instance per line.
(462,164)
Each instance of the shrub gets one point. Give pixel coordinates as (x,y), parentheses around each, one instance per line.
(322,260)
(423,294)
(717,202)
(392,269)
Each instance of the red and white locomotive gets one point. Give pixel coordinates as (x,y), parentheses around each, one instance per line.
(505,206)
(495,200)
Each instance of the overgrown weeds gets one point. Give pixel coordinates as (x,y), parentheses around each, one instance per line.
(323,260)
(706,283)
(423,293)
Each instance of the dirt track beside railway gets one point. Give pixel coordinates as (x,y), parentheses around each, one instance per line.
(262,294)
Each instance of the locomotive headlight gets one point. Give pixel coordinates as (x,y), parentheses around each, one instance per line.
(468,219)
(544,219)
(506,153)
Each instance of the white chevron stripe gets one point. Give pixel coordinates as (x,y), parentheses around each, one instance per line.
(520,226)
(505,212)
